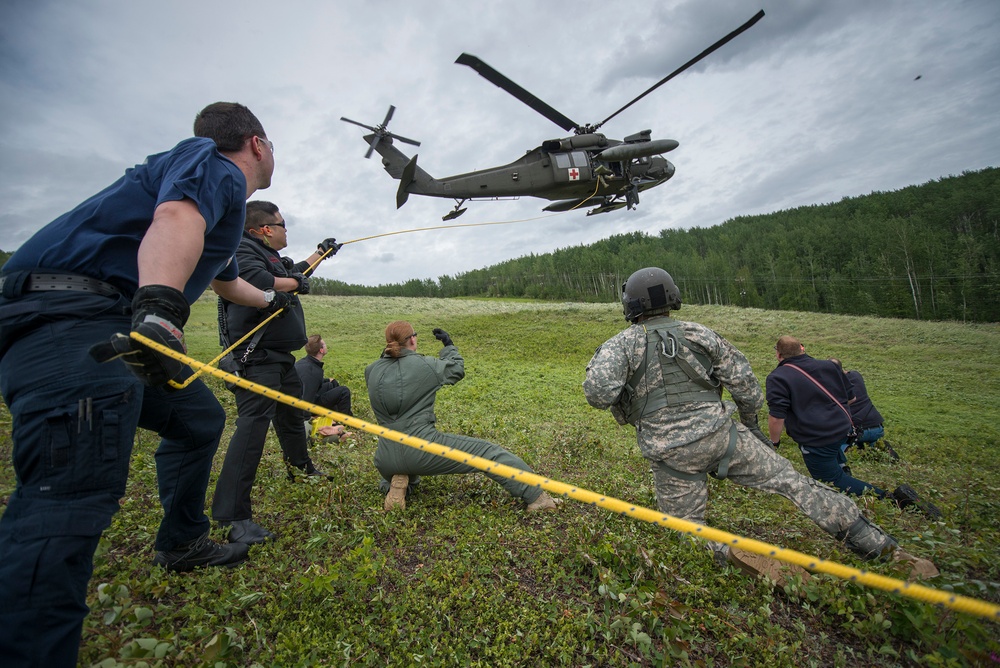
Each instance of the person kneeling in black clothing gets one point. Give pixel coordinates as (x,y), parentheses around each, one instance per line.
(867,420)
(316,388)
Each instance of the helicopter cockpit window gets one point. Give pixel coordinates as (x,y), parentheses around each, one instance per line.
(573,159)
(571,166)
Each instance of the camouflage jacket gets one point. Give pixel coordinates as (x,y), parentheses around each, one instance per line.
(671,427)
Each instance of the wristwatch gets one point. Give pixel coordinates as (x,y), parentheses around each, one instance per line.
(268,296)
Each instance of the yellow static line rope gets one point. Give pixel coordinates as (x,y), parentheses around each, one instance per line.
(502,222)
(187,381)
(174,384)
(446,227)
(955,601)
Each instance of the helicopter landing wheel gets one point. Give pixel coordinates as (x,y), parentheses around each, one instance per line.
(458,211)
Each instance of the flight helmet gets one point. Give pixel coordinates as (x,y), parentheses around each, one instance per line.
(649,292)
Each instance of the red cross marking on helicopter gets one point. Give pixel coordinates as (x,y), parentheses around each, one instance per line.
(574,174)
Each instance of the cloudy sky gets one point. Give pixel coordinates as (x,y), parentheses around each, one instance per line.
(819,101)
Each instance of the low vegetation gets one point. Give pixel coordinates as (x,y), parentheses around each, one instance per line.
(463,577)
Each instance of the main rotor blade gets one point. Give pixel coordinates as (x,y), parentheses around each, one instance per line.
(371,148)
(366,127)
(388,115)
(521,94)
(404,139)
(746,26)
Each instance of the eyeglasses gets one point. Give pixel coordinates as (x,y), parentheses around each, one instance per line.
(281,224)
(412,336)
(270,144)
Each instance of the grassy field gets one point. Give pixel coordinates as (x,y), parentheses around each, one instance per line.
(463,577)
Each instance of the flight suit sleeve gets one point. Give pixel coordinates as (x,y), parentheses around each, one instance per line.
(453,369)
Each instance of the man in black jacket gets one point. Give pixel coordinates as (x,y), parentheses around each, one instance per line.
(266,358)
(316,387)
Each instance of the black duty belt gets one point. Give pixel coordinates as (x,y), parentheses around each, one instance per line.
(45,281)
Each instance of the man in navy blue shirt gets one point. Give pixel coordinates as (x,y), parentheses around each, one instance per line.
(131,258)
(809,399)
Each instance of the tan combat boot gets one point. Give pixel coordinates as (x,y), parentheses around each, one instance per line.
(919,568)
(543,502)
(752,563)
(396,498)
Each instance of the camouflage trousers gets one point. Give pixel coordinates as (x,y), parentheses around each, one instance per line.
(752,464)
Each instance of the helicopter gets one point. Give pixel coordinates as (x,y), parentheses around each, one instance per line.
(587,168)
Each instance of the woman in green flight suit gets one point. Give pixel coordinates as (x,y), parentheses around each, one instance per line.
(402,386)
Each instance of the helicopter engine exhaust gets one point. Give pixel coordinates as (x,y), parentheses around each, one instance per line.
(590,140)
(638,150)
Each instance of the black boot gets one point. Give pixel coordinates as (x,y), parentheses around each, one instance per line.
(201,552)
(893,455)
(247,532)
(905,496)
(309,469)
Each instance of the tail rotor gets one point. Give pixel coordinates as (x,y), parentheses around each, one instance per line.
(380,132)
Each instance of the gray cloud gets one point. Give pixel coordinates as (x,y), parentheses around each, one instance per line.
(816,102)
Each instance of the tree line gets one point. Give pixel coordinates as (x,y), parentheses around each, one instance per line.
(929,251)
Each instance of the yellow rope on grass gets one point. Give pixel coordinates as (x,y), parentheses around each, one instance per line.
(893,585)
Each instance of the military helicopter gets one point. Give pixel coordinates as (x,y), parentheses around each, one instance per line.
(585,168)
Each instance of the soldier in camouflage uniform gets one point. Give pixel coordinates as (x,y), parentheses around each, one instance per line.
(665,377)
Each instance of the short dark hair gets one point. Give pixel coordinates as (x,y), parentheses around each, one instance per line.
(259,213)
(313,344)
(228,124)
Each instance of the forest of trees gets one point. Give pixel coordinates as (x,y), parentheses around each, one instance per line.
(928,252)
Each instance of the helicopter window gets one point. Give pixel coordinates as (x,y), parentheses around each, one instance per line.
(562,160)
(579,159)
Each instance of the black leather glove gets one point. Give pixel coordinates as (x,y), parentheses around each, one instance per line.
(281,300)
(159,312)
(329,244)
(288,263)
(750,421)
(443,337)
(303,280)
